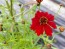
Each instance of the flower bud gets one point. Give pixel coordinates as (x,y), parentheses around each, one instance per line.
(20,5)
(23,22)
(61,28)
(61,5)
(48,46)
(1,27)
(5,42)
(39,1)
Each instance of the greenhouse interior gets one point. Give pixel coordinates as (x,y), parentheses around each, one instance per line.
(32,24)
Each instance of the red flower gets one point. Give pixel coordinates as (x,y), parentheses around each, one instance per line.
(43,22)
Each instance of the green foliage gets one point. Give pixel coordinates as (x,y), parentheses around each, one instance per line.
(16,35)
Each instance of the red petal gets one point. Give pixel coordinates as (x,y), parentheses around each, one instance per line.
(32,27)
(39,30)
(39,14)
(35,22)
(49,16)
(48,30)
(46,13)
(52,24)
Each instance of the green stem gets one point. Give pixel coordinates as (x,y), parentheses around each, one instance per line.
(54,35)
(57,33)
(36,42)
(8,6)
(39,7)
(29,3)
(58,11)
(11,1)
(44,38)
(25,12)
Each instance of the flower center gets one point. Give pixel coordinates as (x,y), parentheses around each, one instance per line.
(43,20)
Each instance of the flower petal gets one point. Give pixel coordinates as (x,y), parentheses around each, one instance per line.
(49,16)
(35,22)
(48,30)
(52,24)
(39,30)
(39,14)
(32,27)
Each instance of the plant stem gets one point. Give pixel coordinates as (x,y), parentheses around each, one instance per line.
(29,3)
(23,12)
(58,11)
(36,42)
(54,35)
(39,7)
(8,6)
(11,1)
